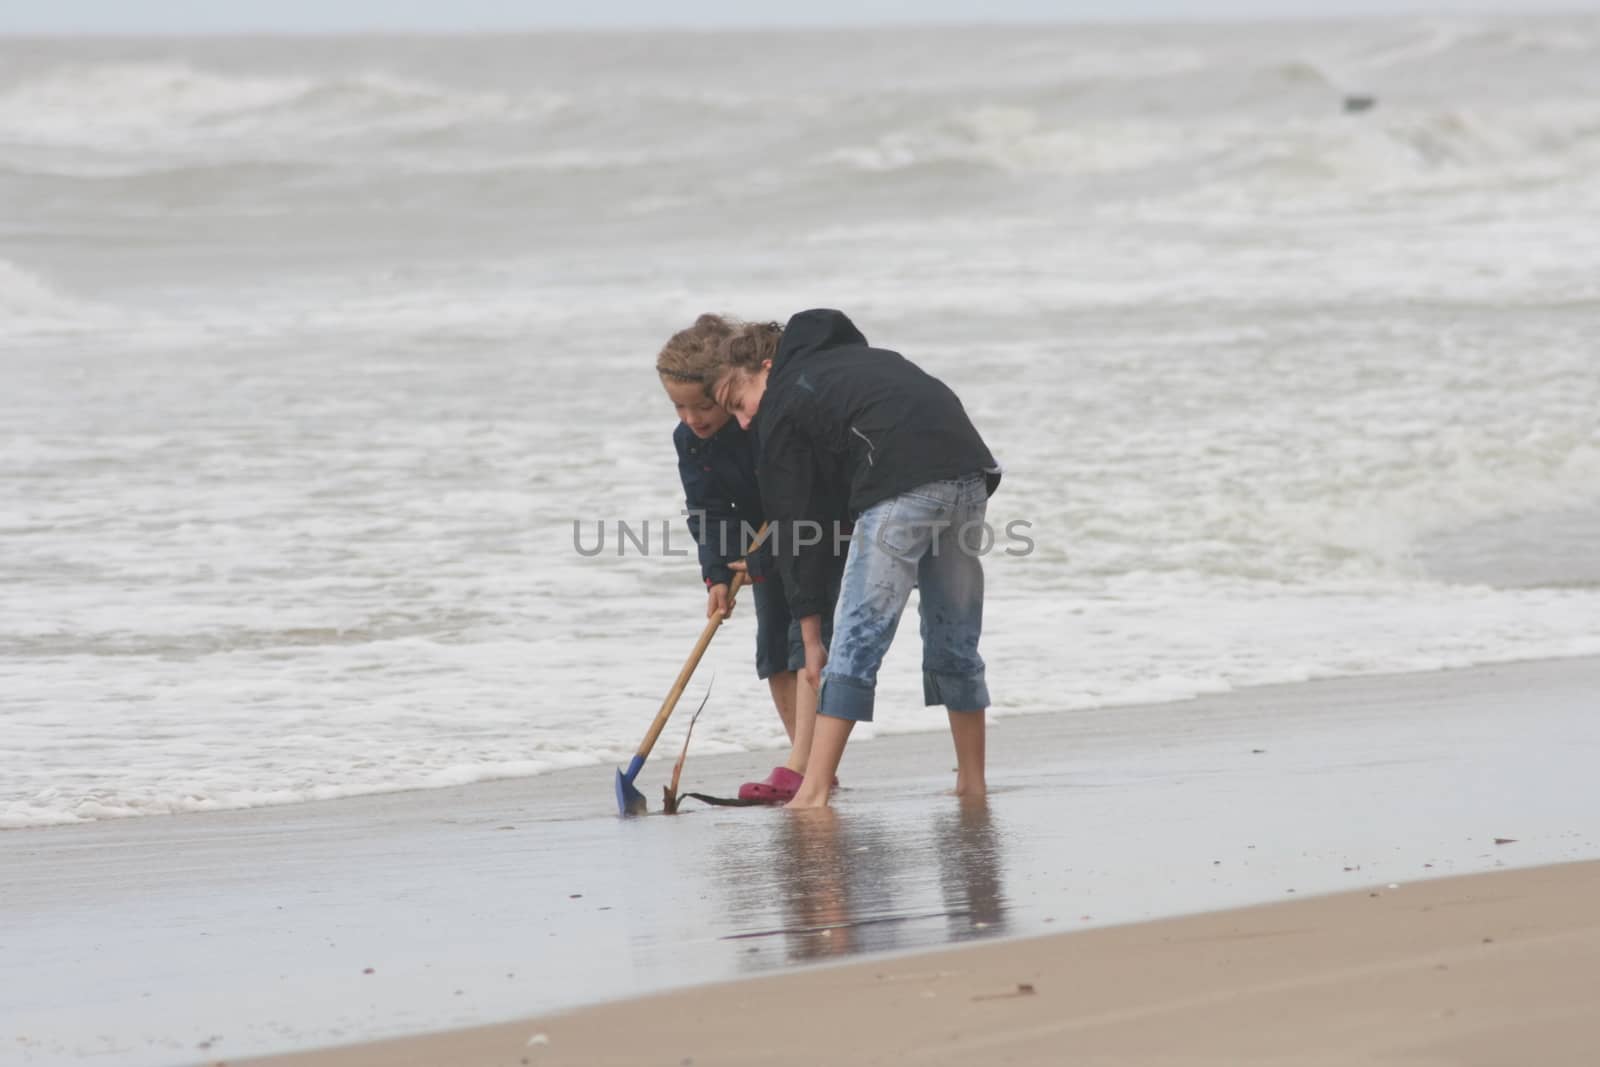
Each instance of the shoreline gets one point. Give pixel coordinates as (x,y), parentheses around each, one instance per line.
(270,930)
(665,752)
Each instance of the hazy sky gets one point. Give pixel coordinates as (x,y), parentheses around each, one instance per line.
(167,16)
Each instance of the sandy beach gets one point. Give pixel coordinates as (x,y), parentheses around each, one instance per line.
(214,937)
(1487,969)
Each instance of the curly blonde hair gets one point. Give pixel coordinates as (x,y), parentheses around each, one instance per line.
(690,355)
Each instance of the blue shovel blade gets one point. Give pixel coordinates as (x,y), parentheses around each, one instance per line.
(629,800)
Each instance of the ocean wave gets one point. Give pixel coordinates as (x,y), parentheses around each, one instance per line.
(202,179)
(1397,147)
(1403,151)
(28,304)
(1453,40)
(154,105)
(72,101)
(1301,73)
(1057,107)
(1015,139)
(1072,63)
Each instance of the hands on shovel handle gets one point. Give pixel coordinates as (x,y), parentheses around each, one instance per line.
(719,597)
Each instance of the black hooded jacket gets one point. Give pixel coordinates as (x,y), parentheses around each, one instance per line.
(844,422)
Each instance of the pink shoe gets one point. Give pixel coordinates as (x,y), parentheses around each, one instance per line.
(779,788)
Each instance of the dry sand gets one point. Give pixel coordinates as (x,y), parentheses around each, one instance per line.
(1493,969)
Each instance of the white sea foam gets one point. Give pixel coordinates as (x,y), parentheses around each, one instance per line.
(1403,149)
(30,304)
(24,294)
(170,108)
(84,102)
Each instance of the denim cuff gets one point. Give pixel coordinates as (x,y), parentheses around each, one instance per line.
(846,698)
(957,692)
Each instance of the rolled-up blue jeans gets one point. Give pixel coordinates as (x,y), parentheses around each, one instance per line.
(931,538)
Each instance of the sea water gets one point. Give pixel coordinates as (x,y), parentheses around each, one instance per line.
(315,351)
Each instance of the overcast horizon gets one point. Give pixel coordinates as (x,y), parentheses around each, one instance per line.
(295,17)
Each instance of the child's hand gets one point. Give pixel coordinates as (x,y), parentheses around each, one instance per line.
(717,602)
(738,567)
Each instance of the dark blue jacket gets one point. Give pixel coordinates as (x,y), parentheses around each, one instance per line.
(722,497)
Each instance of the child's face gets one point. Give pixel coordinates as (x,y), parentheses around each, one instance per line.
(699,412)
(740,392)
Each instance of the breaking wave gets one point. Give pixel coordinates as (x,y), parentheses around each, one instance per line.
(1168,115)
(28,303)
(1399,147)
(154,105)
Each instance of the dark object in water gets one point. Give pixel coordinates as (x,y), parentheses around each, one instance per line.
(724,802)
(1356,103)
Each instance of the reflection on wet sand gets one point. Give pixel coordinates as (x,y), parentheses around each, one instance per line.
(853,883)
(969,872)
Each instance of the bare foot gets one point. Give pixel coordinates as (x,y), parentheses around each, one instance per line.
(971,790)
(803,800)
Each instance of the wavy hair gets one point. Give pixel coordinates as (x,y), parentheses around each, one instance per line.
(749,345)
(690,355)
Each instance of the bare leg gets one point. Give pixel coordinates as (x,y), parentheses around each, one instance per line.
(967,731)
(805,724)
(827,746)
(782,685)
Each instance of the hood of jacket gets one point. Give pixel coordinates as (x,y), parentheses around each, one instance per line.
(813,331)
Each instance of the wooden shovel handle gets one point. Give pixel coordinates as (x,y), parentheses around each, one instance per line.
(700,647)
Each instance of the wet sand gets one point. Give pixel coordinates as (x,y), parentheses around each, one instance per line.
(214,937)
(1490,969)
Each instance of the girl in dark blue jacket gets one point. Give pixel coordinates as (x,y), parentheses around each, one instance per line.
(717,465)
